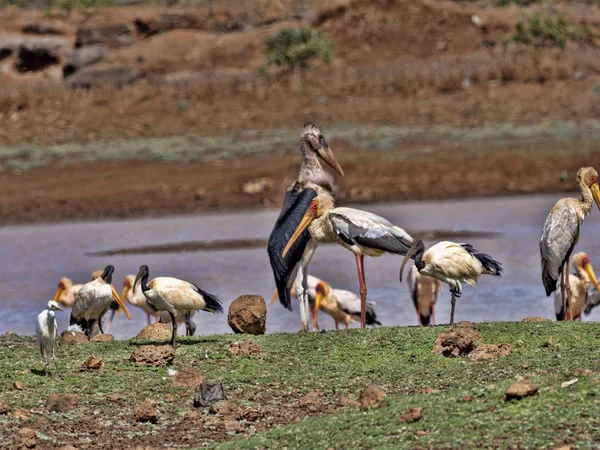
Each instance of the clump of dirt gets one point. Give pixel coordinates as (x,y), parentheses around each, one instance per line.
(411,415)
(486,352)
(18,385)
(520,389)
(5,408)
(92,364)
(535,319)
(227,408)
(69,337)
(371,397)
(146,412)
(248,314)
(186,378)
(62,402)
(312,400)
(245,348)
(156,332)
(26,438)
(103,338)
(457,341)
(153,356)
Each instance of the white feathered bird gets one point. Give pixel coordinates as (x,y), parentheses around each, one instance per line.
(453,264)
(46,334)
(175,296)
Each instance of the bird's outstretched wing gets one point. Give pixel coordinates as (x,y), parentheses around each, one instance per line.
(364,228)
(294,206)
(559,236)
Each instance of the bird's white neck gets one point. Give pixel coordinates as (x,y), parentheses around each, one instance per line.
(321,229)
(51,314)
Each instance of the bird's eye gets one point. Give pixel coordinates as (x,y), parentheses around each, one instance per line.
(322,141)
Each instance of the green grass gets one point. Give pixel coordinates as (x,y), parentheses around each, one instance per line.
(340,363)
(541,31)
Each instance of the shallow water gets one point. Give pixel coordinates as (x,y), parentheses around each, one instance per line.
(35,257)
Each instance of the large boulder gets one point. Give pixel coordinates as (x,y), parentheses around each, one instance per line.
(98,75)
(248,314)
(81,57)
(113,36)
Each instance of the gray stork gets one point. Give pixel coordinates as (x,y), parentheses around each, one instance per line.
(424,293)
(561,233)
(361,232)
(312,180)
(175,296)
(453,264)
(46,334)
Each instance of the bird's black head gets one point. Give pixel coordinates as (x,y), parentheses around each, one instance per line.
(415,252)
(143,274)
(107,274)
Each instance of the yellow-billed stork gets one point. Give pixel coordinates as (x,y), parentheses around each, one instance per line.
(312,180)
(65,292)
(46,334)
(580,282)
(452,263)
(175,296)
(561,233)
(424,293)
(361,232)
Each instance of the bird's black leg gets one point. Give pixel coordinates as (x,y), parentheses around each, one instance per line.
(100,326)
(453,302)
(174,329)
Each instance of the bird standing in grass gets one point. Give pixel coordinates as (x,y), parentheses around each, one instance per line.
(424,292)
(453,264)
(561,233)
(175,296)
(580,282)
(46,334)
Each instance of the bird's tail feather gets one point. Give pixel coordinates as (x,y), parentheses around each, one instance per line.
(490,265)
(548,278)
(372,316)
(211,302)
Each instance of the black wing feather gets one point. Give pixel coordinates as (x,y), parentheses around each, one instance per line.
(294,207)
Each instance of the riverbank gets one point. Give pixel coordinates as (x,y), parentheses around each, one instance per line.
(306,398)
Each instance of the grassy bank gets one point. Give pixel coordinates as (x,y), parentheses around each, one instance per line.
(462,400)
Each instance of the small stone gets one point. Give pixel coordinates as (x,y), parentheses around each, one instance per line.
(153,356)
(146,412)
(248,314)
(186,378)
(226,408)
(311,400)
(520,389)
(4,408)
(209,393)
(371,396)
(20,414)
(92,363)
(411,415)
(62,402)
(69,337)
(27,437)
(246,348)
(103,338)
(232,426)
(19,386)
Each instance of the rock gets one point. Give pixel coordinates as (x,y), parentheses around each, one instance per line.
(102,74)
(209,393)
(411,415)
(4,408)
(371,396)
(113,36)
(92,363)
(311,400)
(20,414)
(68,337)
(520,389)
(19,385)
(81,57)
(156,332)
(248,314)
(486,352)
(103,338)
(187,378)
(535,319)
(62,402)
(232,426)
(33,58)
(146,412)
(253,414)
(257,186)
(27,437)
(245,348)
(226,408)
(149,26)
(153,356)
(45,28)
(456,341)
(346,401)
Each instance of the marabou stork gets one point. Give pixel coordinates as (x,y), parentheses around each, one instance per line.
(580,282)
(46,334)
(424,293)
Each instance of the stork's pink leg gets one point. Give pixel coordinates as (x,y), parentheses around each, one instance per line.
(562,294)
(360,265)
(419,314)
(337,326)
(568,288)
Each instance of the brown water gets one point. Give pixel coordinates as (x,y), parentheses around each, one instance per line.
(35,257)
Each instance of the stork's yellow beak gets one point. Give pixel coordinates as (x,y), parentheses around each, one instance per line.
(596,193)
(309,216)
(126,289)
(58,293)
(274,297)
(117,299)
(590,271)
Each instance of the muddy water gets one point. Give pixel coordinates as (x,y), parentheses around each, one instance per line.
(35,257)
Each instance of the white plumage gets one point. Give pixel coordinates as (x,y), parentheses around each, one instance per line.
(46,334)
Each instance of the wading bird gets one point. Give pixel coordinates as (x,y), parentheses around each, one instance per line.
(46,334)
(137,298)
(175,296)
(312,180)
(424,292)
(361,232)
(65,292)
(93,300)
(580,282)
(561,233)
(452,264)
(343,306)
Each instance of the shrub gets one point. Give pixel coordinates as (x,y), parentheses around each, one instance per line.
(296,48)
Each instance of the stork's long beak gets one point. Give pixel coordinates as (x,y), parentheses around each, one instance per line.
(327,154)
(126,289)
(590,271)
(274,297)
(58,293)
(117,299)
(137,278)
(411,252)
(58,307)
(596,193)
(309,216)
